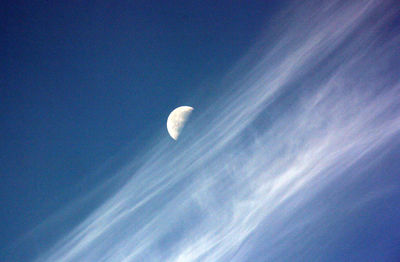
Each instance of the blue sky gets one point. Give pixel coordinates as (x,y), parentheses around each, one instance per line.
(291,153)
(85,80)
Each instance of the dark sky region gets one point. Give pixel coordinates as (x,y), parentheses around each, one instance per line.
(82,80)
(292,153)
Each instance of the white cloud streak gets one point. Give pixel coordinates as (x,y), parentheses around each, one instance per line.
(320,99)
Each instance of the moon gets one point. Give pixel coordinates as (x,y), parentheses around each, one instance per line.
(177,120)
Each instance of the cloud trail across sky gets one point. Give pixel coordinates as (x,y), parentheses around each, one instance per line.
(304,116)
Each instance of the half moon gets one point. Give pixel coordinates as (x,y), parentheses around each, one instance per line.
(177,120)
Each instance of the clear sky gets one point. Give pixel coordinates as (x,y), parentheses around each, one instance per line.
(292,152)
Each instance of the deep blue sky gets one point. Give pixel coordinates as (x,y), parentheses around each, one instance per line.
(291,153)
(82,80)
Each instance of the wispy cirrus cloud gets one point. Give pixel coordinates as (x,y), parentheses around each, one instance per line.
(318,100)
